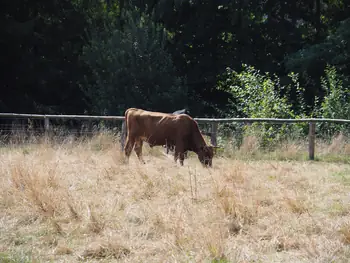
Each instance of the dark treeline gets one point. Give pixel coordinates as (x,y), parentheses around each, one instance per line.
(100,57)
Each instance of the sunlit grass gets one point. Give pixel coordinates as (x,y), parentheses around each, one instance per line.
(67,201)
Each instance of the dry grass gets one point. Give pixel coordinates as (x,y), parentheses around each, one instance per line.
(73,202)
(337,150)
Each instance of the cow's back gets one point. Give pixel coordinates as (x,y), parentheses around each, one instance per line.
(141,122)
(157,128)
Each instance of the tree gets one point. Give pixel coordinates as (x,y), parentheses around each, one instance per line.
(131,68)
(40,47)
(311,60)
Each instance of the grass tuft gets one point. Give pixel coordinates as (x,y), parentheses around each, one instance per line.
(234,208)
(104,249)
(345,232)
(297,206)
(96,224)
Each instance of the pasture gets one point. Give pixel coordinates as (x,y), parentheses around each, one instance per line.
(73,201)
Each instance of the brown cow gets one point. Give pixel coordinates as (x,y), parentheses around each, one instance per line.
(158,128)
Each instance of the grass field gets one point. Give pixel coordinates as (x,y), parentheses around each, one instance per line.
(73,202)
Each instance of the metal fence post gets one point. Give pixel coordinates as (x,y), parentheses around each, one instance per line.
(47,127)
(213,135)
(312,131)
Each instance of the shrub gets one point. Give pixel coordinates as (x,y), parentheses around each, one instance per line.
(257,95)
(336,103)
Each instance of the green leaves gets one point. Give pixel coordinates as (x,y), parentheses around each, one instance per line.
(334,50)
(132,68)
(336,104)
(258,95)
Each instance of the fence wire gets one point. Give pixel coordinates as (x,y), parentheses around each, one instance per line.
(23,130)
(19,130)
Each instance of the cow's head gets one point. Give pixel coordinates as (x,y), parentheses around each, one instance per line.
(205,155)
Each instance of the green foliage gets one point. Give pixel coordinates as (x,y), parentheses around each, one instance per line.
(258,95)
(88,56)
(312,58)
(131,68)
(220,260)
(39,49)
(336,103)
(334,50)
(16,258)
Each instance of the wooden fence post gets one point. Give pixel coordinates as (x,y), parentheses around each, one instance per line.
(123,136)
(213,135)
(312,131)
(47,126)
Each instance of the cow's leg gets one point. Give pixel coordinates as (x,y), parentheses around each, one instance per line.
(171,148)
(138,150)
(179,152)
(167,148)
(185,154)
(176,155)
(130,141)
(182,157)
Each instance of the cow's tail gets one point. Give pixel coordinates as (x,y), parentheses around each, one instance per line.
(124,131)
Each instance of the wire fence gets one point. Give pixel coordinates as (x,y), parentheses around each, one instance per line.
(31,125)
(27,128)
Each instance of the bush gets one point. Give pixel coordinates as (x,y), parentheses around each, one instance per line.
(336,103)
(256,95)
